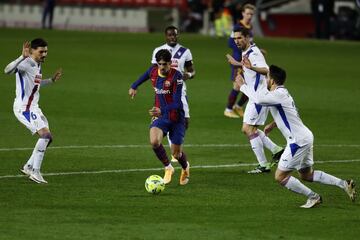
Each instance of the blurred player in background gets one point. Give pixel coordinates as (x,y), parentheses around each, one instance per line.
(254,71)
(48,13)
(298,154)
(29,79)
(168,115)
(181,60)
(233,110)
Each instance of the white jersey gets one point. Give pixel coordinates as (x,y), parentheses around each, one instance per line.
(28,81)
(284,112)
(252,78)
(179,55)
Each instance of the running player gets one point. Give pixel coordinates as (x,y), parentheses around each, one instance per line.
(168,116)
(29,79)
(298,154)
(181,60)
(254,71)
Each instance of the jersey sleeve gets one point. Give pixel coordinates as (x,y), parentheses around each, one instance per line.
(17,64)
(153,59)
(257,60)
(143,78)
(265,97)
(188,56)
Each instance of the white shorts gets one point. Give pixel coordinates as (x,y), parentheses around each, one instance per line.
(34,120)
(185,102)
(296,158)
(255,114)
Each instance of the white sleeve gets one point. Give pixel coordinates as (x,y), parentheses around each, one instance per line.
(153,59)
(188,57)
(264,97)
(11,67)
(258,60)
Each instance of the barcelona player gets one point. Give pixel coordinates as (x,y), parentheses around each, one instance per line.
(168,116)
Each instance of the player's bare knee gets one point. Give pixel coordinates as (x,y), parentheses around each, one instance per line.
(155,143)
(306,174)
(279,178)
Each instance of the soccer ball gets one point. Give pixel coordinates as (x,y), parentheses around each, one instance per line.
(154,184)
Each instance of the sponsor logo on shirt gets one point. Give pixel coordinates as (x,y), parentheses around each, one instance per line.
(161,91)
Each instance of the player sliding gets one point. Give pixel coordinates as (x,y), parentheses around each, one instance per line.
(168,116)
(298,154)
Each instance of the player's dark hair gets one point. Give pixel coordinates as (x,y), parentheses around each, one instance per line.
(38,42)
(244,31)
(278,74)
(171,28)
(163,54)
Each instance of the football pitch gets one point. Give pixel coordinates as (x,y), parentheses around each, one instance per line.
(99,160)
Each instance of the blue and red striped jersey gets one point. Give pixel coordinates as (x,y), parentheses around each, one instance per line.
(168,92)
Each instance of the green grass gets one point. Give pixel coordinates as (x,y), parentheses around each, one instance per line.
(90,107)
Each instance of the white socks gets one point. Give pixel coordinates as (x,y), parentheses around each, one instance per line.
(38,153)
(295,185)
(268,143)
(323,177)
(258,148)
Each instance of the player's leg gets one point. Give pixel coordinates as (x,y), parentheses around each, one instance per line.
(157,131)
(36,122)
(229,112)
(269,144)
(238,107)
(177,135)
(291,160)
(308,174)
(45,138)
(257,147)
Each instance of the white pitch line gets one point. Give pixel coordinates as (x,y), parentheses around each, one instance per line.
(147,146)
(159,169)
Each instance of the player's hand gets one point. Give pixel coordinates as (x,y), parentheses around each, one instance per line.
(268,128)
(232,61)
(239,80)
(26,49)
(132,92)
(57,75)
(155,112)
(246,62)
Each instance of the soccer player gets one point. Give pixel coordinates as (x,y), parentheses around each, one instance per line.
(181,60)
(168,115)
(29,79)
(254,70)
(233,110)
(298,153)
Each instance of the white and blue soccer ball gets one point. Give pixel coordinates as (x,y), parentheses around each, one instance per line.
(154,184)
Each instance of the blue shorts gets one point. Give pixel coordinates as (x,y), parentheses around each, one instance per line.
(176,130)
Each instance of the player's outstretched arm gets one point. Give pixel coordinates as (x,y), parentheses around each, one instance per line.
(246,63)
(57,75)
(232,61)
(132,92)
(11,67)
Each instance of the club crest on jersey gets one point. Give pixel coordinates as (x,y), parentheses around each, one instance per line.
(167,83)
(38,78)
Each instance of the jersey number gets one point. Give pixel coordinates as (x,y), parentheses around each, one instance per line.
(33,116)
